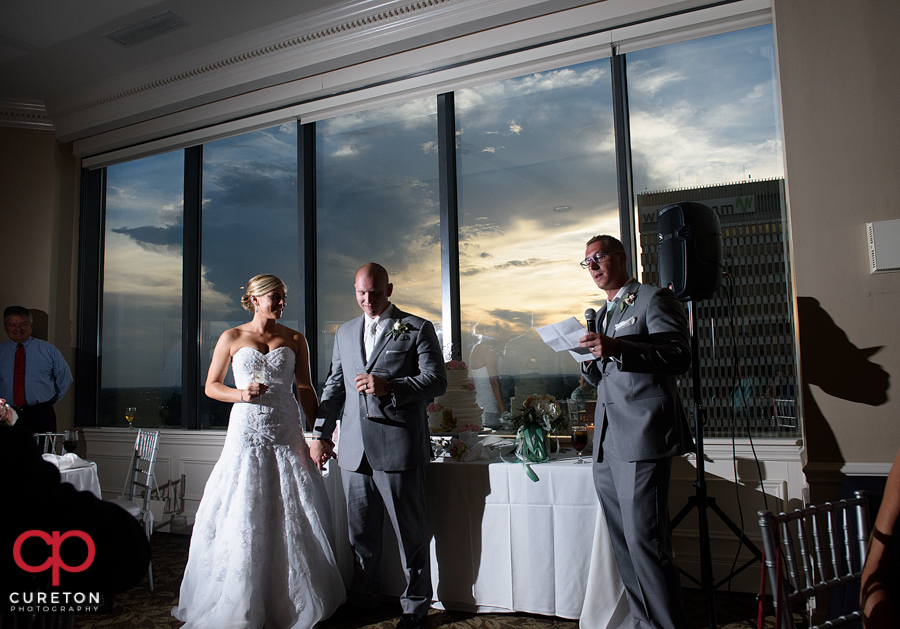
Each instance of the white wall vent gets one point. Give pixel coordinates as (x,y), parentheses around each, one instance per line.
(884,246)
(147,29)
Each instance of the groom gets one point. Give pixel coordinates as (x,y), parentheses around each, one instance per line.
(386,364)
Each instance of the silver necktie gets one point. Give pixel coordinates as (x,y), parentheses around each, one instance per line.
(609,315)
(371,331)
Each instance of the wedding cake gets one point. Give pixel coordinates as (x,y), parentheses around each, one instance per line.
(456,410)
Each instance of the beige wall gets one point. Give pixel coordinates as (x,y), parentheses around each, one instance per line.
(839,64)
(38,221)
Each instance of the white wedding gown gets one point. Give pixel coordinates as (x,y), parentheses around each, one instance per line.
(261,550)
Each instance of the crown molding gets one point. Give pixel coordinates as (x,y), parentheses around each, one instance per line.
(25,114)
(341,36)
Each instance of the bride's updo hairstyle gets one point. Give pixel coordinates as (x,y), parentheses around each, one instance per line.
(259,286)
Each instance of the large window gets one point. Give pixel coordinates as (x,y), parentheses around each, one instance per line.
(537,179)
(538,173)
(377,201)
(249,227)
(704,128)
(141,333)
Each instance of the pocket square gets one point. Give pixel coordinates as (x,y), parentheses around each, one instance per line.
(626,323)
(395,351)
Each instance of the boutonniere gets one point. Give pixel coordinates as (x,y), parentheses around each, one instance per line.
(627,301)
(399,329)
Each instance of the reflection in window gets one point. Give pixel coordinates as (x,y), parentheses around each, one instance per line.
(377,201)
(704,127)
(249,226)
(140,345)
(536,157)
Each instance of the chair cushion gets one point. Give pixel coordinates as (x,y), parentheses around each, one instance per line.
(130,506)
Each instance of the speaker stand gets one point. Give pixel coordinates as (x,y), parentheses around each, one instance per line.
(702,501)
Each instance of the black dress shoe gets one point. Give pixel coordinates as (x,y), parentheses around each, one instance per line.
(412,621)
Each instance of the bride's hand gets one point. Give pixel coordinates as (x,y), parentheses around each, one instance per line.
(320,450)
(254,389)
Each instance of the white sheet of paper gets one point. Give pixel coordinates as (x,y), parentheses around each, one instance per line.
(563,336)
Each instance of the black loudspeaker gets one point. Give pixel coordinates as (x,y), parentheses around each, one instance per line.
(691,251)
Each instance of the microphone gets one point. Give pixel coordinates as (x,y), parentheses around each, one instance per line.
(590,317)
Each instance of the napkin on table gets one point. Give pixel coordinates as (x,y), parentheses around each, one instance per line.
(66,461)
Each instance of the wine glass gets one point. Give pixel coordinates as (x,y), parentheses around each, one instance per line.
(130,414)
(259,376)
(579,440)
(70,440)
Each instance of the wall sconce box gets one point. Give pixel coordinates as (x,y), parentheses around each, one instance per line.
(884,246)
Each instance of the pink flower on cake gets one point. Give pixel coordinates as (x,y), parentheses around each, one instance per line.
(470,385)
(433,407)
(469,428)
(452,364)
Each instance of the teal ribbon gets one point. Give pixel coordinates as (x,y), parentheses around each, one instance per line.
(531,445)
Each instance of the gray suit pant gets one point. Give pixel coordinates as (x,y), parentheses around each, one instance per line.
(369,493)
(635,496)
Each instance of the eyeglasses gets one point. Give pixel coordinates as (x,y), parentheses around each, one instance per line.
(597,258)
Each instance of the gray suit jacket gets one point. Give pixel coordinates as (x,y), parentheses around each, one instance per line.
(636,393)
(391,432)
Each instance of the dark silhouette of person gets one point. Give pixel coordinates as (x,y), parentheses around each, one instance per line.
(34,499)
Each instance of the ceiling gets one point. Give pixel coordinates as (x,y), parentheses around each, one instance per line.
(51,48)
(60,71)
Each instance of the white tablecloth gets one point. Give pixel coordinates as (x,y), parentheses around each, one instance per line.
(504,543)
(83,478)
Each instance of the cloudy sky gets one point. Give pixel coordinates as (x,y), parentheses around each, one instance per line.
(536,180)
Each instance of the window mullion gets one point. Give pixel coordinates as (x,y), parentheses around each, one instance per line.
(450,301)
(90,292)
(191,278)
(307,315)
(624,182)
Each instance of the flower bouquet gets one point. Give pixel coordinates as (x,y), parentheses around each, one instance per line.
(540,416)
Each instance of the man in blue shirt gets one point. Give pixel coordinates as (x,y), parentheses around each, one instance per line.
(33,373)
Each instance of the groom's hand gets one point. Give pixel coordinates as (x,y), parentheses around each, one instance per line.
(600,345)
(320,450)
(371,384)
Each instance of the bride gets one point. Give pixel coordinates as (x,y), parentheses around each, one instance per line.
(261,550)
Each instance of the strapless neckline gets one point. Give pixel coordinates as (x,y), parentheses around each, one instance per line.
(253,349)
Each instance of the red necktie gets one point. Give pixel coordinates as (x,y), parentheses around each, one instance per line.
(19,377)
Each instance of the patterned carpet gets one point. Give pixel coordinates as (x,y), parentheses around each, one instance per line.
(139,607)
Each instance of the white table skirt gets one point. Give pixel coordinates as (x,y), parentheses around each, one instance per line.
(502,543)
(83,478)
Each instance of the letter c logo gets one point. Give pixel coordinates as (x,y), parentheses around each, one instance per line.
(54,541)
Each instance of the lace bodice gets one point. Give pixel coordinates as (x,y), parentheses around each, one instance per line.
(274,417)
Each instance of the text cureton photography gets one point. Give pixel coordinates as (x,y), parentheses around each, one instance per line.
(53,602)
